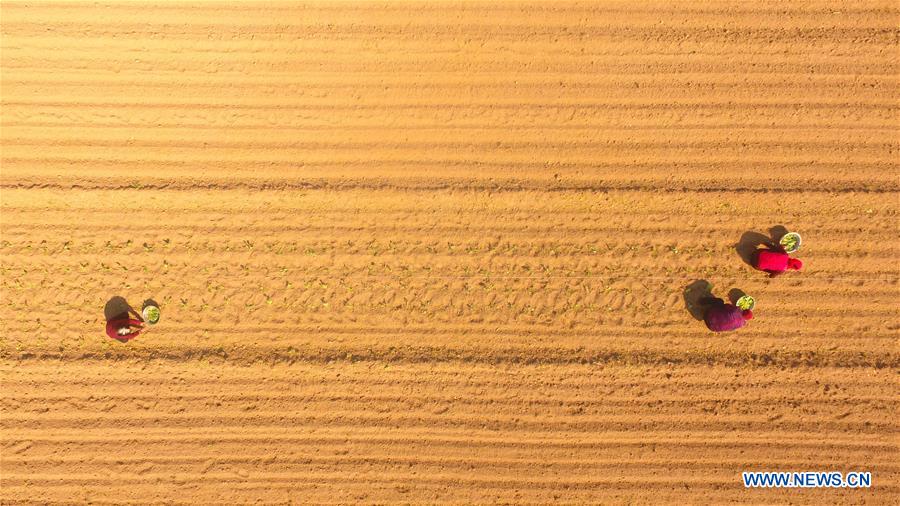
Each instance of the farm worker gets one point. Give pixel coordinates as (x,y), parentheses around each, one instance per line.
(776,261)
(121,329)
(724,317)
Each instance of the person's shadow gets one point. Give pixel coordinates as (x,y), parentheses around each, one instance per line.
(698,298)
(117,308)
(750,242)
(735,294)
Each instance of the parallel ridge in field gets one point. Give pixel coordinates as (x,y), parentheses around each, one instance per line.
(458,432)
(438,252)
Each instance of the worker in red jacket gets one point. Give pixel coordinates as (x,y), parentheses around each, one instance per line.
(775,261)
(124,329)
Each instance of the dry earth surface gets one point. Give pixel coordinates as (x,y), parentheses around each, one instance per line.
(436,252)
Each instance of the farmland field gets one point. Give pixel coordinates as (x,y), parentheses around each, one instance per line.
(438,252)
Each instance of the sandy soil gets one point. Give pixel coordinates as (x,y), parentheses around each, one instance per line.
(437,252)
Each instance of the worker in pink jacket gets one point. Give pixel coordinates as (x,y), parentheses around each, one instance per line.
(775,261)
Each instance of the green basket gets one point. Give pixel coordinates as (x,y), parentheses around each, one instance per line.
(790,242)
(746,302)
(151,315)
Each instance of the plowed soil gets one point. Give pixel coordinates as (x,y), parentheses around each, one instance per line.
(437,252)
